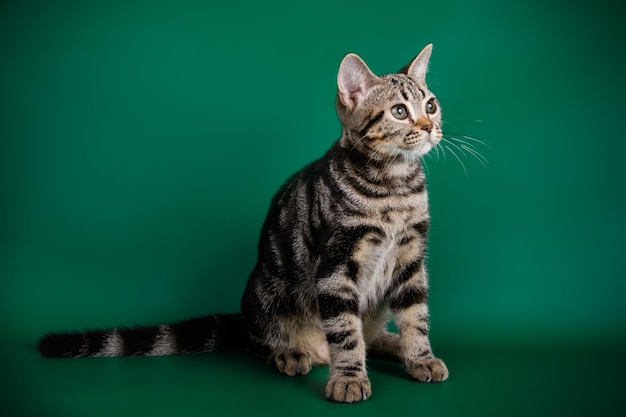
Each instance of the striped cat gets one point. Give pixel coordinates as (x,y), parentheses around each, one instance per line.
(341,251)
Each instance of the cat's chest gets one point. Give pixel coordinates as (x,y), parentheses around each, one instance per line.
(380,254)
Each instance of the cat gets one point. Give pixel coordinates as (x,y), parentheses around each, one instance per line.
(341,252)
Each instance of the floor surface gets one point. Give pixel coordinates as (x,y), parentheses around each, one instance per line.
(484,381)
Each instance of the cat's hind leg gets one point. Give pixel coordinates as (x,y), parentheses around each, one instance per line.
(302,346)
(381,343)
(290,346)
(386,345)
(281,329)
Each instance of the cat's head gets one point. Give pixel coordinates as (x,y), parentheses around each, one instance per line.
(394,115)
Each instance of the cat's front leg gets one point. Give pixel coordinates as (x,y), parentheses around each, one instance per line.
(348,380)
(410,308)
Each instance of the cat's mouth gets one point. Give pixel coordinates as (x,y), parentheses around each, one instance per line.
(409,148)
(418,145)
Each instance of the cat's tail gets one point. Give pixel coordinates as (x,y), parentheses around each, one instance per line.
(219,332)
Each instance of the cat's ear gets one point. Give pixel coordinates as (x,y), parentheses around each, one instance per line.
(417,68)
(354,80)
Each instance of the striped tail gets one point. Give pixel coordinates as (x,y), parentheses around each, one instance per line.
(220,332)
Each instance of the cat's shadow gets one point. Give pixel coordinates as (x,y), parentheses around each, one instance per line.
(386,367)
(260,376)
(256,373)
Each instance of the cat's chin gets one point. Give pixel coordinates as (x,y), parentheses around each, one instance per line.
(413,154)
(429,145)
(416,151)
(427,148)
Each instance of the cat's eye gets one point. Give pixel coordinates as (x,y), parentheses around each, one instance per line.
(399,111)
(431,106)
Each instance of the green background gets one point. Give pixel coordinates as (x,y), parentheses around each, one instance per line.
(141,142)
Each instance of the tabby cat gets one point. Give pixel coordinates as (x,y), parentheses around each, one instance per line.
(342,250)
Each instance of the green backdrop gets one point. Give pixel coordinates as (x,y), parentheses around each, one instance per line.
(141,142)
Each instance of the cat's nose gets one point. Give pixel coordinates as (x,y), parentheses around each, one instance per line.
(427,127)
(424,123)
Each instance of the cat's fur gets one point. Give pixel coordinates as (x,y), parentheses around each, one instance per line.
(342,250)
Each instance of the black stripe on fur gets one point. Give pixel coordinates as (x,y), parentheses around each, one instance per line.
(338,337)
(138,340)
(372,122)
(422,228)
(408,298)
(340,248)
(408,271)
(331,306)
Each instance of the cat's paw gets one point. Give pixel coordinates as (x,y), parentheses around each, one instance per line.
(292,362)
(427,370)
(348,389)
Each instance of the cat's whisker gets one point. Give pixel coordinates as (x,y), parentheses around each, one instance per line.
(482,142)
(470,147)
(384,156)
(425,166)
(433,154)
(483,161)
(375,152)
(457,157)
(443,152)
(456,146)
(390,159)
(462,145)
(466,148)
(357,142)
(473,139)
